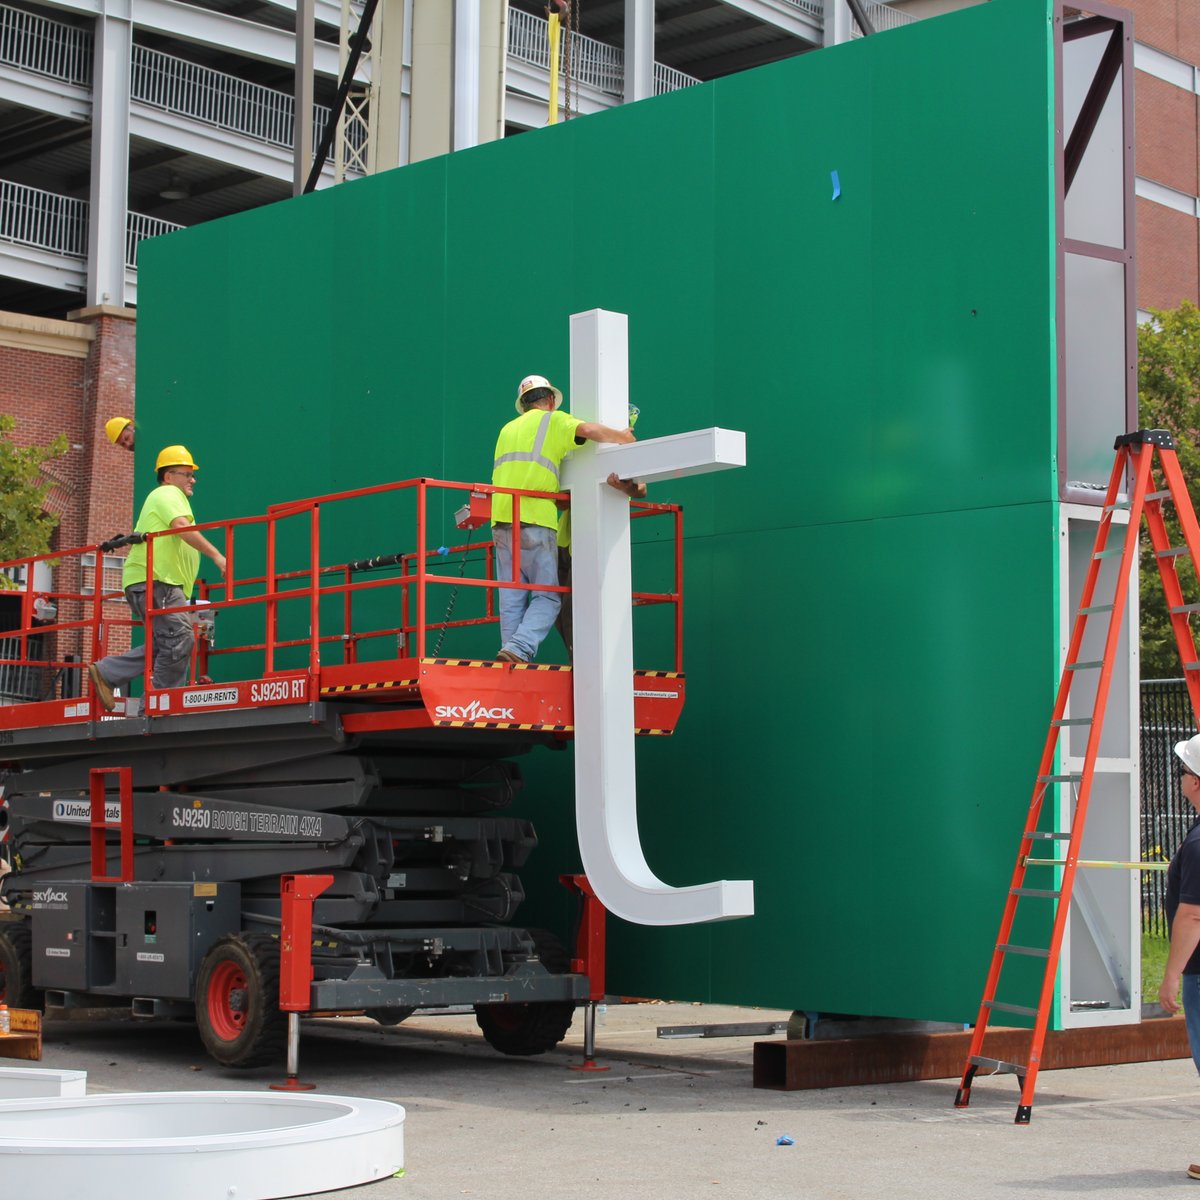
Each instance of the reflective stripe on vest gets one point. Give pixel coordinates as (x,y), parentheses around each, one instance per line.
(535,455)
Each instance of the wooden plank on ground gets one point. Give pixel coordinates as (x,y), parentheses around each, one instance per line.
(25,1040)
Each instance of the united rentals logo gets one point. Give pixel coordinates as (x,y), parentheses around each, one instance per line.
(475,711)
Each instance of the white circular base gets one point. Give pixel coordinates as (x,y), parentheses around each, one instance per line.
(197,1145)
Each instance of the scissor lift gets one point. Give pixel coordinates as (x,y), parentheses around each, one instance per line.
(389,773)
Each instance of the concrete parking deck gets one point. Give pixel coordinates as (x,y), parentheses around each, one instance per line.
(681,1119)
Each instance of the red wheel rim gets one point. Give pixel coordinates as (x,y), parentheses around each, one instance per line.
(227,1001)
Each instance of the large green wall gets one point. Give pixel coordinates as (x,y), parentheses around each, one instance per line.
(871,617)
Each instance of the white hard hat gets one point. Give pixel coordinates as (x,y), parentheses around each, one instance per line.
(529,383)
(1189,753)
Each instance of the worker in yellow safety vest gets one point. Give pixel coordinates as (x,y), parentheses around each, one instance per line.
(529,455)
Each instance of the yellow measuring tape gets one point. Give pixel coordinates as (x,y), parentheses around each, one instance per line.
(1128,866)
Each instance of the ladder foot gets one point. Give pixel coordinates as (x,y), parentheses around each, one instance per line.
(1024,1112)
(963,1098)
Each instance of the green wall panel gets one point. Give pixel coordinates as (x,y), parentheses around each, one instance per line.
(871,614)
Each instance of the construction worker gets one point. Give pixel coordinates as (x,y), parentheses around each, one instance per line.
(176,561)
(529,455)
(1183,914)
(120,432)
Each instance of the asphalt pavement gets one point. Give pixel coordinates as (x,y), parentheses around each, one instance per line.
(680,1118)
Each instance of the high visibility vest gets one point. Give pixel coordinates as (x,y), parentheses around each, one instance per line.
(529,455)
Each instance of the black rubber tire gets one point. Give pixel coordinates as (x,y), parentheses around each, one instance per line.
(237,1002)
(390,1016)
(16,967)
(524,1029)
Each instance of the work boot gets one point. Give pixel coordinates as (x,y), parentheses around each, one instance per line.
(103,692)
(1194,1171)
(508,656)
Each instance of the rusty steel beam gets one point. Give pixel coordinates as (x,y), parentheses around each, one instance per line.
(795,1065)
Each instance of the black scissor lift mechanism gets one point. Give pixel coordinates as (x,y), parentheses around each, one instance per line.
(410,823)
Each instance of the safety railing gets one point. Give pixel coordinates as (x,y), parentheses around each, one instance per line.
(44,46)
(668,79)
(44,220)
(216,98)
(882,17)
(139,227)
(30,216)
(594,63)
(291,608)
(814,8)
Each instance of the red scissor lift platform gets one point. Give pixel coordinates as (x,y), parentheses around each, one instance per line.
(327,734)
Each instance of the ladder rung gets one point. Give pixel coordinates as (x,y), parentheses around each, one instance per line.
(1171,552)
(1120,506)
(1192,666)
(1041,833)
(1071,721)
(1182,608)
(1108,553)
(1093,609)
(1042,892)
(1085,666)
(1158,496)
(1073,778)
(998,1065)
(1009,949)
(997,1006)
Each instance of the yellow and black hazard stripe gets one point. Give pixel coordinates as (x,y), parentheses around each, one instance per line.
(534,727)
(542,666)
(653,732)
(338,689)
(460,662)
(658,674)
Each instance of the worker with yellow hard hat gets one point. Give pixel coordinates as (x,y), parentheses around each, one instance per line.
(176,562)
(529,455)
(120,431)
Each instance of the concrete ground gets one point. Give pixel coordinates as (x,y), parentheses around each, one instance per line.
(681,1119)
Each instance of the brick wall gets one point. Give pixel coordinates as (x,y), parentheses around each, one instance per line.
(70,377)
(1168,256)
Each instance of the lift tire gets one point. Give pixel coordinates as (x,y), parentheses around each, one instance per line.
(16,967)
(237,1002)
(524,1029)
(390,1016)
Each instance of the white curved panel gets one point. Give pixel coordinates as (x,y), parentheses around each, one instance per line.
(601,585)
(196,1145)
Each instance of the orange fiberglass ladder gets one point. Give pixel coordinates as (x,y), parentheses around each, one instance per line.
(1136,454)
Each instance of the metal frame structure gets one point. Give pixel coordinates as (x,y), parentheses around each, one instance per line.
(1069,150)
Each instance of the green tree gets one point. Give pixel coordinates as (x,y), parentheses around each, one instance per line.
(25,528)
(1169,398)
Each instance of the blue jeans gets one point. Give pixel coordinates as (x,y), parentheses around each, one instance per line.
(1190,991)
(526,617)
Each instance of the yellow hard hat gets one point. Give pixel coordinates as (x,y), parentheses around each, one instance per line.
(174,456)
(532,382)
(115,426)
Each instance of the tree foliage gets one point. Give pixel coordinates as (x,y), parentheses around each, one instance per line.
(25,529)
(1169,398)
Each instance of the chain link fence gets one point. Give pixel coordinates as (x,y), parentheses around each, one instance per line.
(1166,816)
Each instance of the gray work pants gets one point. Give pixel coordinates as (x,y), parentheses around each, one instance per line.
(172,638)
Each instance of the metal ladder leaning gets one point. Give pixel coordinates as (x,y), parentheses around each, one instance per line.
(1135,453)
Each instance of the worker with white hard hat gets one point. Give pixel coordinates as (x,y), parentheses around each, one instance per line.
(176,563)
(529,456)
(120,431)
(1183,912)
